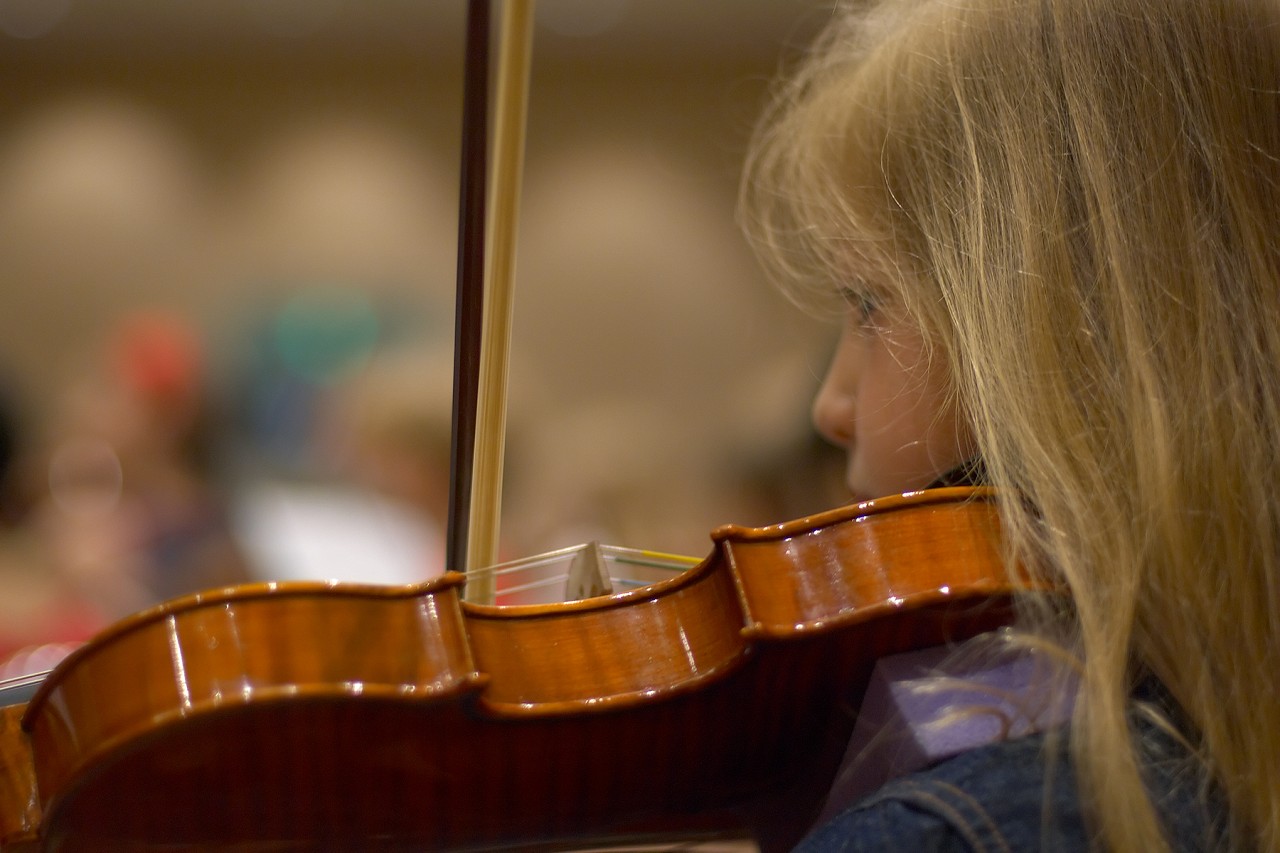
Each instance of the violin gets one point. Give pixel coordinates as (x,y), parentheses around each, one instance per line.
(279,716)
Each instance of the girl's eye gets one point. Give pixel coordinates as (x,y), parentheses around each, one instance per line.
(862,305)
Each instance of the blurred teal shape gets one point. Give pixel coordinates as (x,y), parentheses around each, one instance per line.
(322,335)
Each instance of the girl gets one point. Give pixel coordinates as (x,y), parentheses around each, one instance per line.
(1051,226)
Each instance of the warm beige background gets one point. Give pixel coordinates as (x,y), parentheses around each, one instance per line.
(215,157)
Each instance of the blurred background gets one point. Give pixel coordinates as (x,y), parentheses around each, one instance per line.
(227,263)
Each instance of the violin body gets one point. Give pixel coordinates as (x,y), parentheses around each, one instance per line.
(283,716)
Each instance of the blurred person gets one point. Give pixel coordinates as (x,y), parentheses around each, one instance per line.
(42,615)
(364,497)
(132,516)
(390,430)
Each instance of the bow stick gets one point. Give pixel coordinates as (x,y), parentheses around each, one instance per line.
(485,285)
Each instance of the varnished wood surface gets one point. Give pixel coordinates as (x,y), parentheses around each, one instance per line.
(19,806)
(899,553)
(290,716)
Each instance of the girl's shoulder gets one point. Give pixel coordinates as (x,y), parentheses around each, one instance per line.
(989,798)
(1019,795)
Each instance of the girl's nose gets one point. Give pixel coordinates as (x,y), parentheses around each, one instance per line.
(833,407)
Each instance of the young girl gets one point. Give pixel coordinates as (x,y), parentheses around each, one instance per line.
(1051,223)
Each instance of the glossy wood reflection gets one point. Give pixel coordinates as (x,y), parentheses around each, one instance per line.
(278,717)
(19,802)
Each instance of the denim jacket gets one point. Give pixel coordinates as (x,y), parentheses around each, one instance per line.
(1015,795)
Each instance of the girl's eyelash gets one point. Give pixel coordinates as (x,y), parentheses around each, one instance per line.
(861,302)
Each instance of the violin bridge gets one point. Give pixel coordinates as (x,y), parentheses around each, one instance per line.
(588,574)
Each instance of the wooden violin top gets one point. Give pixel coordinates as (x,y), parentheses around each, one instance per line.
(402,717)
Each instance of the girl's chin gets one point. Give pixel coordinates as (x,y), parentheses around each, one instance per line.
(864,488)
(859,489)
(859,492)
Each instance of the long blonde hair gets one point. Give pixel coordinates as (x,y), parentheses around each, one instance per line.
(1077,200)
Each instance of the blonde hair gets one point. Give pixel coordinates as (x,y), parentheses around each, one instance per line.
(1077,200)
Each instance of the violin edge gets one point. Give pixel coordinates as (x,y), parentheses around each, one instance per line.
(219,595)
(853,511)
